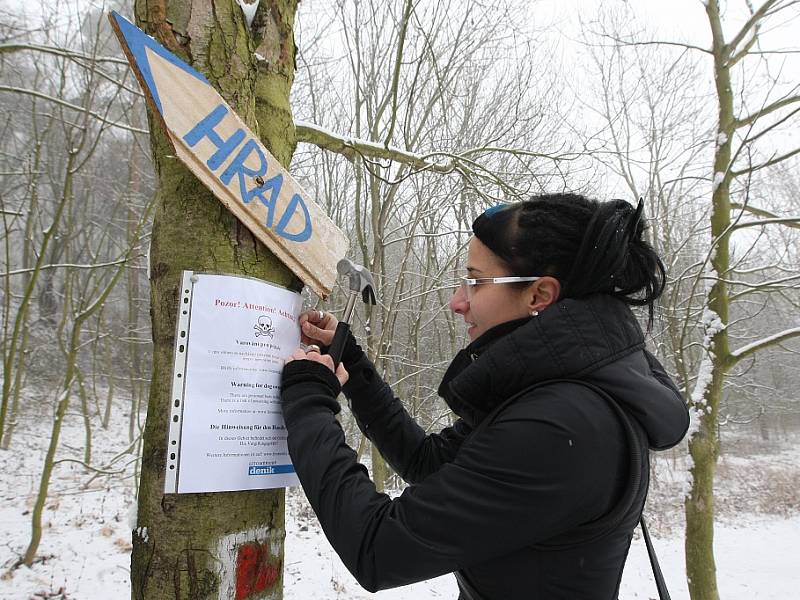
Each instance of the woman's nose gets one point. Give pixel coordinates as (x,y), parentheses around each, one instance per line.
(458,302)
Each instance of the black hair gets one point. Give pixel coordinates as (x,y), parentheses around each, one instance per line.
(591,247)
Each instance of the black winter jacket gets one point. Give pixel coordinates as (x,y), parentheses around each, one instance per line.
(505,494)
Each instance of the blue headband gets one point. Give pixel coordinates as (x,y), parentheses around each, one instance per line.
(493,209)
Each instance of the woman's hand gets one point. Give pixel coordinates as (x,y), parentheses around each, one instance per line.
(317,327)
(312,354)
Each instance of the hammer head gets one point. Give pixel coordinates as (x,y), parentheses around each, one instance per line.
(360,280)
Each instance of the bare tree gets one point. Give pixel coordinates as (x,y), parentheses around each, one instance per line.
(429,142)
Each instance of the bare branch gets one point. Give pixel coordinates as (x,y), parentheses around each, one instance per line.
(788,221)
(69,266)
(770,108)
(785,283)
(59,101)
(750,139)
(453,162)
(88,467)
(775,51)
(745,51)
(755,210)
(63,52)
(685,46)
(773,161)
(350,147)
(772,340)
(752,23)
(567,156)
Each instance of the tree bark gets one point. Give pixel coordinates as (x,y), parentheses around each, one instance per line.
(182,542)
(701,570)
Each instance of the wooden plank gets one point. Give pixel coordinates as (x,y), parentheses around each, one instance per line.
(231,161)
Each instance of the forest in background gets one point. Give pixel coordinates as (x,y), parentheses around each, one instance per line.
(411,119)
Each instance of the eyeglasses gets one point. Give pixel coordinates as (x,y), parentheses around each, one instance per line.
(467,284)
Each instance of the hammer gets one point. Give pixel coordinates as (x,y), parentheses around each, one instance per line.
(360,282)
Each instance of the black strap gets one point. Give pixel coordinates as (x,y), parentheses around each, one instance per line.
(466,591)
(661,585)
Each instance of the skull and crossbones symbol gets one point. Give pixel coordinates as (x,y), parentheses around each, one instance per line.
(264,327)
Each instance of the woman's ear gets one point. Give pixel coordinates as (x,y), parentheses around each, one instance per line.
(544,292)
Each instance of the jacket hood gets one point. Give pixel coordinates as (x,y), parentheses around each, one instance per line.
(595,339)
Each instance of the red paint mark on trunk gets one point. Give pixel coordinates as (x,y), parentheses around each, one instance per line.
(254,571)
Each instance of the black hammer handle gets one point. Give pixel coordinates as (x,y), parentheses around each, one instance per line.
(337,345)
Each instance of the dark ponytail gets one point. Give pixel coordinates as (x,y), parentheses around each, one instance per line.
(591,247)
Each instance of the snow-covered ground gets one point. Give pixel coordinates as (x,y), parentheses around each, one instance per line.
(85,549)
(755,561)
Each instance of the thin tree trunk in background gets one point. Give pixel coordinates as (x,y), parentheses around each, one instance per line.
(19,381)
(87,418)
(134,347)
(108,363)
(182,539)
(701,569)
(379,470)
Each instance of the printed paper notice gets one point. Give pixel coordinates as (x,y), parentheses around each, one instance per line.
(232,436)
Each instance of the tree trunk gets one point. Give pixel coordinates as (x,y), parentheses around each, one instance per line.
(183,542)
(701,570)
(134,349)
(108,361)
(87,418)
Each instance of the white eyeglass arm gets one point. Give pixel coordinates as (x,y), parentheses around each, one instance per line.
(510,279)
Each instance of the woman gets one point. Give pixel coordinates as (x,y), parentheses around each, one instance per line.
(535,490)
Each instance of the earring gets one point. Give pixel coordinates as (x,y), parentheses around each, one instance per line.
(534,313)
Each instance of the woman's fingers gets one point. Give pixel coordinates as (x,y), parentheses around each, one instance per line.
(313,354)
(314,334)
(298,354)
(317,327)
(320,319)
(341,374)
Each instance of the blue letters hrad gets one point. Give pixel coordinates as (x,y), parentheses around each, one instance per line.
(267,192)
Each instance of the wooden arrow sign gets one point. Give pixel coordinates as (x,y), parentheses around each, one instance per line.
(231,161)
